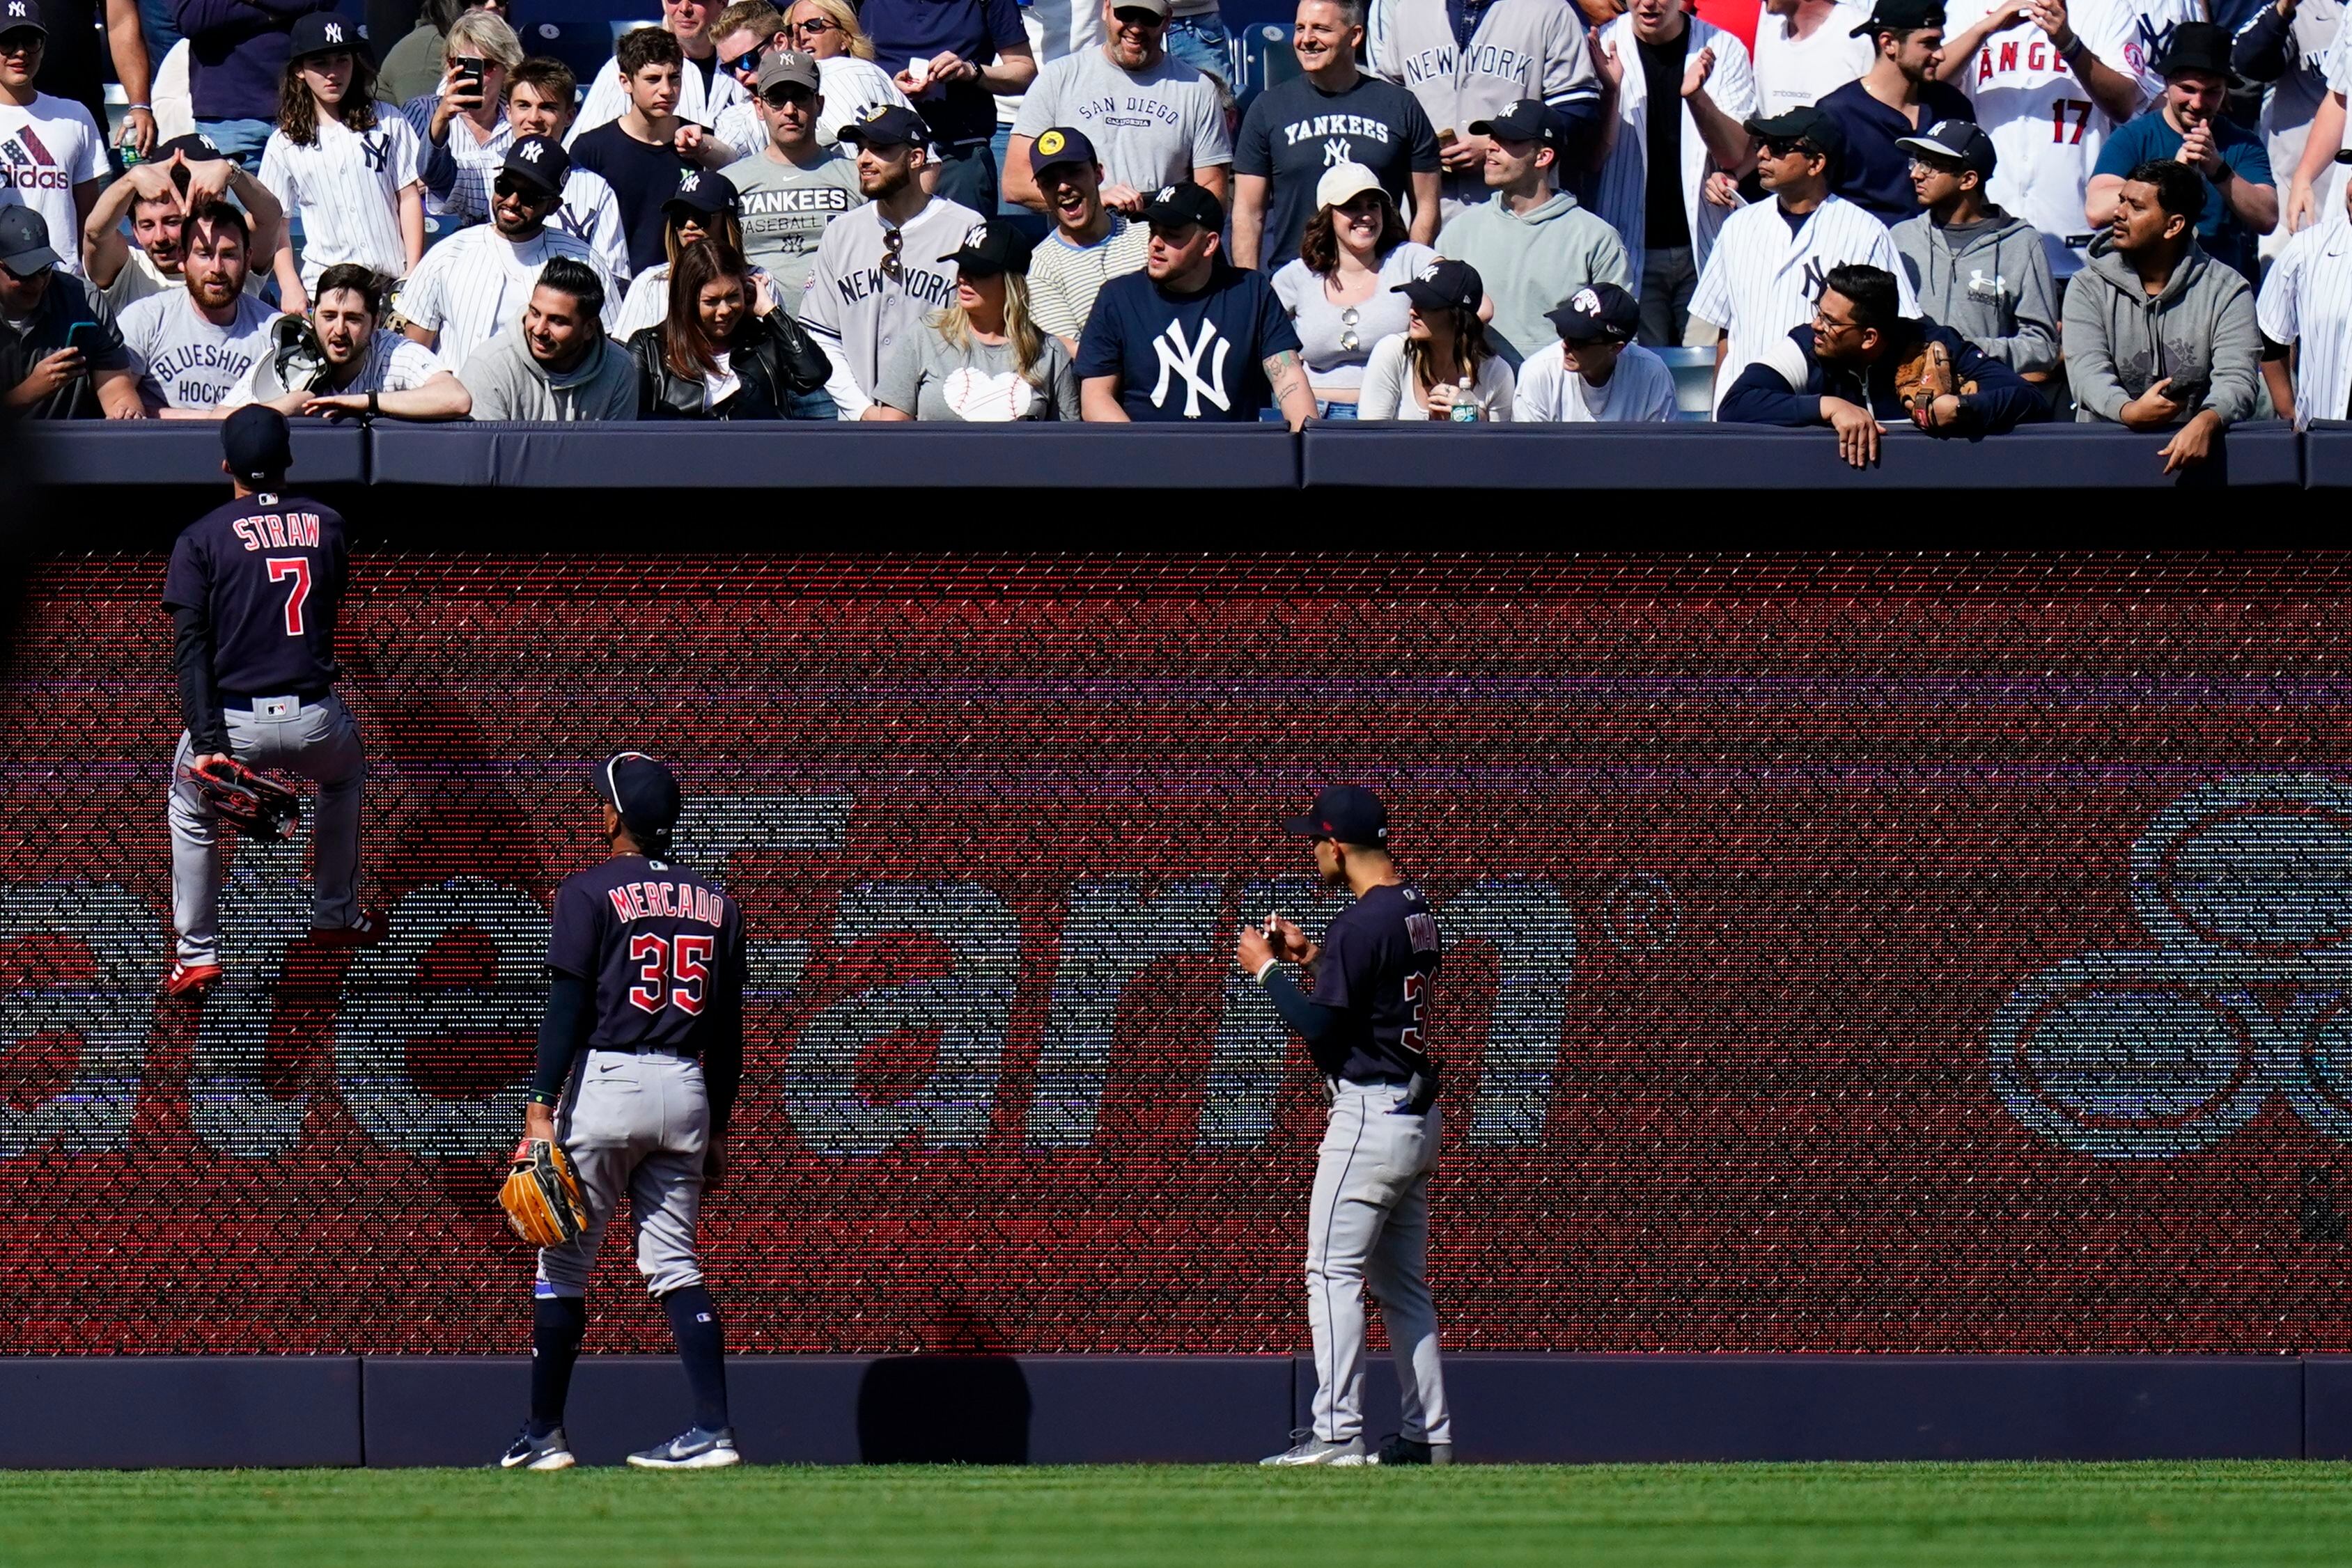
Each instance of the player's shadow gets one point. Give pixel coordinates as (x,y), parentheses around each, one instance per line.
(968,1405)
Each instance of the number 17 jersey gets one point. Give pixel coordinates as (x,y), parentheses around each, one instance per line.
(663,948)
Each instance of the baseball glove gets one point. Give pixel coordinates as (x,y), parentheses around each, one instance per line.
(295,353)
(261,809)
(1926,374)
(542,1194)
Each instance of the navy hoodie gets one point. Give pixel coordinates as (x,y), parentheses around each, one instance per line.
(1787,385)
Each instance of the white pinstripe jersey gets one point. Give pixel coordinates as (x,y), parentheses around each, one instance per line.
(590,211)
(392,363)
(1761,280)
(2308,301)
(346,186)
(1623,197)
(473,161)
(473,286)
(2147,30)
(608,100)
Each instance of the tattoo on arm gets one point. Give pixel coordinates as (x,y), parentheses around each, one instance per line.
(1282,370)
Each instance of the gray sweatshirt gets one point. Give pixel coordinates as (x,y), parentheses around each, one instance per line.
(1532,263)
(2199,332)
(1991,285)
(508,384)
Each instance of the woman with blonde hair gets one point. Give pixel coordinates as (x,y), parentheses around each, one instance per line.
(463,122)
(982,359)
(847,79)
(1441,366)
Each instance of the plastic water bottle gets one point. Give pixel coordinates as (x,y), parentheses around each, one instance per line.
(1466,410)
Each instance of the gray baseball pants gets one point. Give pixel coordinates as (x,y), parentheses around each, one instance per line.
(1368,1220)
(321,741)
(637,1125)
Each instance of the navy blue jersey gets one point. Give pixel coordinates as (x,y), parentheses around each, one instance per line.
(1375,969)
(663,948)
(267,573)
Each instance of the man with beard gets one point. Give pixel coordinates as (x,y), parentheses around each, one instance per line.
(186,172)
(46,370)
(341,361)
(884,269)
(472,285)
(197,345)
(1153,119)
(1900,94)
(558,367)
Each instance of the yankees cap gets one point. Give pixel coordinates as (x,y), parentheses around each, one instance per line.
(1060,145)
(643,791)
(257,442)
(1961,142)
(319,32)
(794,67)
(703,191)
(1813,127)
(1349,814)
(1173,206)
(1900,16)
(1444,284)
(1342,183)
(15,15)
(540,160)
(195,146)
(1529,120)
(885,125)
(1598,312)
(24,242)
(992,249)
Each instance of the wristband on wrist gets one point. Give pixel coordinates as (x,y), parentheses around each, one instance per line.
(541,1097)
(1266,969)
(374,407)
(129,108)
(2074,47)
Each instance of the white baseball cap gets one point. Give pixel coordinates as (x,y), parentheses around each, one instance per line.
(1343,183)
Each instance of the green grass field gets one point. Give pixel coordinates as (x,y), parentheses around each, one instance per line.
(1207,1516)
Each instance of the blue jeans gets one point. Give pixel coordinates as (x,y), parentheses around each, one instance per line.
(242,140)
(1203,43)
(968,174)
(817,404)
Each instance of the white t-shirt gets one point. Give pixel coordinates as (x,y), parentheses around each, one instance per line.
(1798,75)
(347,187)
(1388,385)
(395,363)
(1639,390)
(46,149)
(186,360)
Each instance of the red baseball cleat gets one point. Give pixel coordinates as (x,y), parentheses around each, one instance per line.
(191,980)
(365,932)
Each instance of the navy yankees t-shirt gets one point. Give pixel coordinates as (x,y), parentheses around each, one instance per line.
(1297,130)
(663,948)
(1375,969)
(1188,356)
(268,573)
(643,175)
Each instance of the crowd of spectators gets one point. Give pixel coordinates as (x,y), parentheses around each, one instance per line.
(911,210)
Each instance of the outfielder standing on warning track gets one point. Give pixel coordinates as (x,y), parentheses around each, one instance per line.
(254,588)
(1367,1024)
(639,1057)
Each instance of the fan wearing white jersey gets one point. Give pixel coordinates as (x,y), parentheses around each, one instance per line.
(461,125)
(52,158)
(1771,260)
(341,361)
(1468,62)
(703,90)
(2320,146)
(2049,80)
(474,284)
(878,275)
(2306,306)
(2284,45)
(345,162)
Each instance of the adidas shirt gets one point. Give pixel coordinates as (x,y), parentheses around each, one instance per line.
(46,149)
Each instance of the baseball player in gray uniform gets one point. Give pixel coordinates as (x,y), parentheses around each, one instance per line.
(254,590)
(882,269)
(639,1057)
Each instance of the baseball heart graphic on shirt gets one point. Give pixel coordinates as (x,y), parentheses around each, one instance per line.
(984,399)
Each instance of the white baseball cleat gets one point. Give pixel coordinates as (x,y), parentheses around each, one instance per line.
(1307,1448)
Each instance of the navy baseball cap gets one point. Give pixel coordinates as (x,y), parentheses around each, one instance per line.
(1444,284)
(1598,312)
(195,146)
(1901,17)
(24,242)
(1961,142)
(1173,206)
(17,15)
(992,247)
(885,125)
(704,192)
(321,33)
(643,791)
(1347,814)
(540,160)
(257,442)
(2202,46)
(1813,127)
(1060,144)
(1529,120)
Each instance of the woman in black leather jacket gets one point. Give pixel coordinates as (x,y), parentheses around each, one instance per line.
(718,356)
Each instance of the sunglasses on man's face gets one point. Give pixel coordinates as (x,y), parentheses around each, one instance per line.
(746,61)
(509,187)
(1787,149)
(1142,21)
(786,97)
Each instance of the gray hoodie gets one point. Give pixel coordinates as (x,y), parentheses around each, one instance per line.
(1994,287)
(508,384)
(1531,263)
(2199,332)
